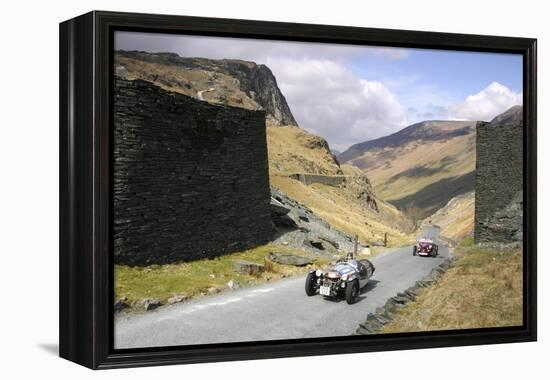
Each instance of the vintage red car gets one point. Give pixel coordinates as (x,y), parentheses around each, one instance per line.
(425,247)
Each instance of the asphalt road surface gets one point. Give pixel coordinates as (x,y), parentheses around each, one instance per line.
(275,310)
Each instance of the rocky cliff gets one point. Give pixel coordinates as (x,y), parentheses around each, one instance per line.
(291,149)
(226,81)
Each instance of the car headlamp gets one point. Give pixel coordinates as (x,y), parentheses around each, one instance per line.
(344,277)
(318,273)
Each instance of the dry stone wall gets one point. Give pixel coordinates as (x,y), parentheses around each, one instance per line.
(499,182)
(190,179)
(308,179)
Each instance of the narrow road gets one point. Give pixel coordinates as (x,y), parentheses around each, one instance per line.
(278,310)
(199,93)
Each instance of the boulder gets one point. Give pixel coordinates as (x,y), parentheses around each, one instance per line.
(277,208)
(150,303)
(288,259)
(214,290)
(121,304)
(232,284)
(285,221)
(246,267)
(177,298)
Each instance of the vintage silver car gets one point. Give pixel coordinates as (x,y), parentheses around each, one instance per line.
(344,279)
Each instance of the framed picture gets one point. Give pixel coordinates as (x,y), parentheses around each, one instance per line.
(235,189)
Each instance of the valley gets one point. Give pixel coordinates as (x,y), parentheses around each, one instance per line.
(386,188)
(420,168)
(247,201)
(352,207)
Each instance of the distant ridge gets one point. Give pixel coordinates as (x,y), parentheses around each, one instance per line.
(430,130)
(421,167)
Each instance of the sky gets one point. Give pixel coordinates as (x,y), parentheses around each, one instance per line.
(350,94)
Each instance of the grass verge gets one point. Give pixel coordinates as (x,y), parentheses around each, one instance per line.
(201,277)
(482,289)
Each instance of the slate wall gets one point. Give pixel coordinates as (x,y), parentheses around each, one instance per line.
(499,180)
(308,179)
(190,179)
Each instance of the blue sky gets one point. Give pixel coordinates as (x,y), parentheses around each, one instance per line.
(451,75)
(350,94)
(468,69)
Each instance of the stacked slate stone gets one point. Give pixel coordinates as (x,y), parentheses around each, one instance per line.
(385,314)
(190,179)
(499,179)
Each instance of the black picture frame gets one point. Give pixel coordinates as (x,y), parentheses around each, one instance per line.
(86,275)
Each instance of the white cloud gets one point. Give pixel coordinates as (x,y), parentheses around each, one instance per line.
(486,104)
(256,50)
(325,97)
(328,99)
(390,52)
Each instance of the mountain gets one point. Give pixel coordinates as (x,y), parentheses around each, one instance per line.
(512,116)
(420,168)
(226,81)
(240,84)
(351,207)
(423,131)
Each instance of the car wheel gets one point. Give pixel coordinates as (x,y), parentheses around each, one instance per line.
(414,250)
(352,292)
(310,284)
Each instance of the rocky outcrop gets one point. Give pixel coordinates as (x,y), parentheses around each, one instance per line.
(288,259)
(296,225)
(247,267)
(259,82)
(361,188)
(358,186)
(256,82)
